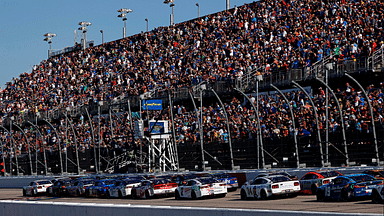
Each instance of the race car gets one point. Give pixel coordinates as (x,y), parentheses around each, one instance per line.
(154,187)
(123,188)
(232,183)
(59,188)
(378,174)
(36,187)
(78,188)
(182,178)
(312,180)
(268,186)
(201,187)
(99,188)
(293,177)
(348,187)
(378,194)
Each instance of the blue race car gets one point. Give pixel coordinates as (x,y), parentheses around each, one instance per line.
(232,183)
(99,188)
(348,187)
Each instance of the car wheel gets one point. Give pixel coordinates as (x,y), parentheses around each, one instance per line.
(313,189)
(376,197)
(133,193)
(87,194)
(320,196)
(78,193)
(243,195)
(147,194)
(177,195)
(24,193)
(34,193)
(107,195)
(98,194)
(344,196)
(263,195)
(293,195)
(193,195)
(120,195)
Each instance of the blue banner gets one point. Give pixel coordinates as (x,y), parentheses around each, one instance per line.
(153,104)
(157,128)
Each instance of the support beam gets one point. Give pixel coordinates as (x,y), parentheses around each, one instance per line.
(28,146)
(228,128)
(42,143)
(293,124)
(317,121)
(372,117)
(58,141)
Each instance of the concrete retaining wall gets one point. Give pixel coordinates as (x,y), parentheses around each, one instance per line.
(23,208)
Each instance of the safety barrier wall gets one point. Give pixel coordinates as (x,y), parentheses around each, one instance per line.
(22,208)
(19,182)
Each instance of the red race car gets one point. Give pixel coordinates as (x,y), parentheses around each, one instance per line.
(312,180)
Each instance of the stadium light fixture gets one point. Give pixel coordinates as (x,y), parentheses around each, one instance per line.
(123,14)
(198,10)
(102,36)
(48,37)
(172,5)
(147,23)
(83,28)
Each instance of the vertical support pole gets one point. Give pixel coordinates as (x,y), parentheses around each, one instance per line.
(58,141)
(228,128)
(372,117)
(326,120)
(317,121)
(342,121)
(111,126)
(93,140)
(174,132)
(200,125)
(293,124)
(66,147)
(99,133)
(77,150)
(28,146)
(260,137)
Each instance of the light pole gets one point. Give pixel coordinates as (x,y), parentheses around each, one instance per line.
(102,36)
(198,10)
(48,37)
(228,4)
(83,30)
(147,23)
(172,5)
(123,14)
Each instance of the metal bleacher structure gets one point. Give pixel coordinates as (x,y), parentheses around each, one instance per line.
(279,152)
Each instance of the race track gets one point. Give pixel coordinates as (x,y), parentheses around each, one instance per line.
(232,200)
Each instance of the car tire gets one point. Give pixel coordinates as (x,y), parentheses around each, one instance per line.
(263,195)
(344,196)
(120,195)
(98,194)
(193,195)
(177,195)
(133,194)
(78,193)
(243,195)
(147,194)
(34,193)
(87,194)
(313,189)
(107,195)
(320,196)
(376,198)
(24,193)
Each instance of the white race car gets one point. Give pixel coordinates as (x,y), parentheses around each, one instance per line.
(201,187)
(123,188)
(36,187)
(154,187)
(378,194)
(264,187)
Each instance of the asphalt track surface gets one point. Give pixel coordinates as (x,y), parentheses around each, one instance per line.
(232,200)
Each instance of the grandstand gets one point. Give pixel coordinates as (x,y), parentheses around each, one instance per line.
(78,112)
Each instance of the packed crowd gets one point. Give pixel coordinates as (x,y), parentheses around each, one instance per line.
(268,35)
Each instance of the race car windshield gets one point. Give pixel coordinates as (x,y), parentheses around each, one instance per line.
(207,180)
(279,179)
(109,182)
(161,181)
(362,178)
(328,174)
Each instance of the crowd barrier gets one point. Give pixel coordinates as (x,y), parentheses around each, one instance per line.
(22,208)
